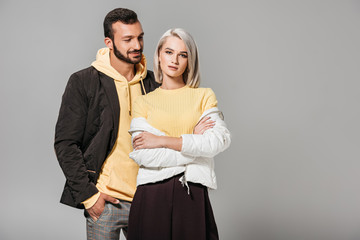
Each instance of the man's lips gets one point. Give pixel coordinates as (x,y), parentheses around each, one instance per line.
(135,53)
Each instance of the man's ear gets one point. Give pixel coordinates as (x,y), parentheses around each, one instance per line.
(108,42)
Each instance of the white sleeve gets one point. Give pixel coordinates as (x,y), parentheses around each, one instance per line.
(210,143)
(158,157)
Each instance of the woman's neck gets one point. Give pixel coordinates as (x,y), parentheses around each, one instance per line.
(169,83)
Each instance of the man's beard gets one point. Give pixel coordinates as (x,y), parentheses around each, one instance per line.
(121,57)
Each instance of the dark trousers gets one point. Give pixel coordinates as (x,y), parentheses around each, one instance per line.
(165,211)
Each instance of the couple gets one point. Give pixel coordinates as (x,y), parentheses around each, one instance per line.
(175,131)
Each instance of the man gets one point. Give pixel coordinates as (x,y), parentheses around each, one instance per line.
(92,142)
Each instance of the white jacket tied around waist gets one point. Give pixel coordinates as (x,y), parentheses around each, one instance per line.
(196,156)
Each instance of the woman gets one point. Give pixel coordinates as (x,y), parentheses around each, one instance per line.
(176,131)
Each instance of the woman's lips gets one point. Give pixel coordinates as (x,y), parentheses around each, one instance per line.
(172,68)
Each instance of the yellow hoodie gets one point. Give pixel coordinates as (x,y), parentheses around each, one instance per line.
(118,175)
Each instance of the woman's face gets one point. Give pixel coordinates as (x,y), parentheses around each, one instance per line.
(173,57)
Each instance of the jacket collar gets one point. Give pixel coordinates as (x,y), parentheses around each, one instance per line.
(110,90)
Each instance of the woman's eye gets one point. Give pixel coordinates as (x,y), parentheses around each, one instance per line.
(168,52)
(183,55)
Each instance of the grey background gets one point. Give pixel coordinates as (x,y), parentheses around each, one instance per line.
(286,74)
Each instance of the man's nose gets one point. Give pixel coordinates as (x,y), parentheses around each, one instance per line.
(137,44)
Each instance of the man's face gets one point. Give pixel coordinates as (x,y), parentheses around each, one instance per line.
(128,42)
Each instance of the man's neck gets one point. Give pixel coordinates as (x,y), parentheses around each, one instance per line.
(125,69)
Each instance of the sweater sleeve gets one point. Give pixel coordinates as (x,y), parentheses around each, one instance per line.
(209,100)
(88,203)
(211,142)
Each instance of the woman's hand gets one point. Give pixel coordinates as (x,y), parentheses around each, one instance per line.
(147,140)
(204,125)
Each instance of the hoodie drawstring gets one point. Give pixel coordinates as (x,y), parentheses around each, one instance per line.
(142,85)
(129,97)
(129,94)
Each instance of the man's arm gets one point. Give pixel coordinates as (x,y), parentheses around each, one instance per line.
(68,138)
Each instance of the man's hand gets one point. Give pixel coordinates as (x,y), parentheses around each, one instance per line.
(204,125)
(96,210)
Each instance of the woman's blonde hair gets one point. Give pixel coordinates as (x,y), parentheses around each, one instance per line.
(191,75)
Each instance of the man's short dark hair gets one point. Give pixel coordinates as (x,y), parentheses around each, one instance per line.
(123,15)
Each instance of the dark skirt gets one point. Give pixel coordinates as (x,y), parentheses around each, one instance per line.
(165,211)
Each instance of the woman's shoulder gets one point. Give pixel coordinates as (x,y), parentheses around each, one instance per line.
(204,92)
(208,98)
(146,96)
(153,93)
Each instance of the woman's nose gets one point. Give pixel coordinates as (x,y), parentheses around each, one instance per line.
(174,59)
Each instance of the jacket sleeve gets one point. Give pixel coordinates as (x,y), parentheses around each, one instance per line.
(68,138)
(211,142)
(158,157)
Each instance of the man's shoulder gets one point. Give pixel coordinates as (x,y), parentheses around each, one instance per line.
(85,72)
(150,75)
(87,77)
(149,82)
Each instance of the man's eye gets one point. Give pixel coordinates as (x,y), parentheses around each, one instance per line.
(127,40)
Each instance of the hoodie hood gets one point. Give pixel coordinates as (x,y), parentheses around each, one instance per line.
(102,64)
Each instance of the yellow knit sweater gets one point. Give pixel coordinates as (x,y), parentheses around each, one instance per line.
(174,112)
